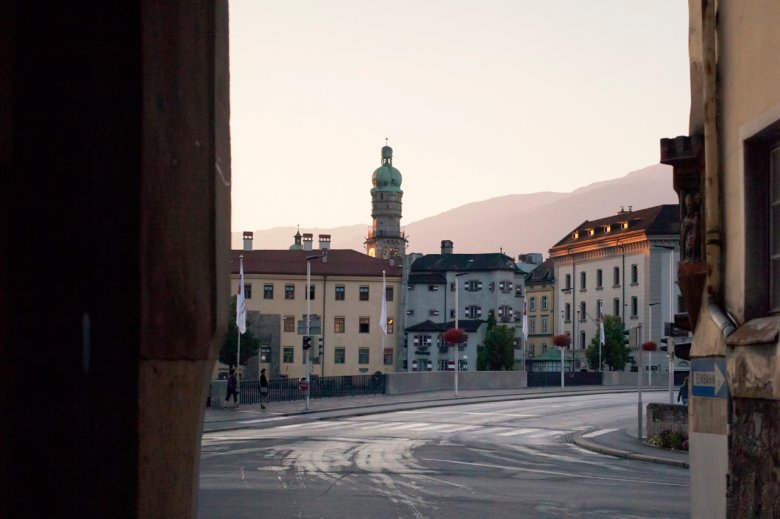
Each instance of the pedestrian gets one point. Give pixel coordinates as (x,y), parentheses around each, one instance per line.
(263,389)
(682,394)
(232,388)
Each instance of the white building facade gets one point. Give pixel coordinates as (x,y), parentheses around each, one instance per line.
(623,265)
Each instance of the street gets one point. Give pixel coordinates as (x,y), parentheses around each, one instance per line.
(497,459)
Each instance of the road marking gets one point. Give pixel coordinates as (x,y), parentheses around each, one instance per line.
(517,432)
(557,473)
(263,420)
(475,413)
(406,425)
(433,427)
(460,428)
(593,434)
(547,432)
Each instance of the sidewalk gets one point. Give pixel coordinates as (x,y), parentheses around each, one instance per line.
(621,443)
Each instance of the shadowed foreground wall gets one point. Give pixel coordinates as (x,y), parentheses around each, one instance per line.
(114,229)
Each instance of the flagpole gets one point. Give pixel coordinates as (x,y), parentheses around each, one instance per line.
(239,313)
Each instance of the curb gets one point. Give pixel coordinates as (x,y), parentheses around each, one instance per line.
(595,447)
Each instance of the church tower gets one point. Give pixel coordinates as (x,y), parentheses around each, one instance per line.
(386,240)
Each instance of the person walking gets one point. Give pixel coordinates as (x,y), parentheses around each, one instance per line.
(263,389)
(232,388)
(682,394)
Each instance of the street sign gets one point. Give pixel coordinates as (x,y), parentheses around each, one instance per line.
(708,377)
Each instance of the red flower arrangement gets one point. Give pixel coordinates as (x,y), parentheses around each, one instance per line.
(649,346)
(561,340)
(455,336)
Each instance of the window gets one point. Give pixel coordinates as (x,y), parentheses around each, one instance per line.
(452,313)
(582,340)
(268,291)
(339,356)
(410,311)
(583,313)
(531,304)
(452,286)
(544,302)
(364,293)
(433,312)
(472,312)
(289,291)
(567,313)
(287,355)
(505,286)
(388,357)
(364,325)
(433,288)
(505,313)
(311,291)
(568,282)
(289,323)
(544,324)
(616,307)
(583,281)
(388,293)
(363,356)
(410,287)
(247,290)
(341,292)
(599,278)
(616,277)
(634,307)
(422,341)
(390,325)
(473,286)
(634,274)
(339,324)
(531,325)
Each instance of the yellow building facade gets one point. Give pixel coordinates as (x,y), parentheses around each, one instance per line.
(346,289)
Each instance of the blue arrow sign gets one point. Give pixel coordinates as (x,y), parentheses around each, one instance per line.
(708,377)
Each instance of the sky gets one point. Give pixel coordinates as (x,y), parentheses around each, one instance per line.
(478,99)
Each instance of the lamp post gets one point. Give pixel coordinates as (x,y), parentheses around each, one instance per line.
(307,353)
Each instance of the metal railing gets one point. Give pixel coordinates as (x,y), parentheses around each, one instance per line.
(286,389)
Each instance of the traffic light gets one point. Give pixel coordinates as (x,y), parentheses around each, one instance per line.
(321,346)
(306,342)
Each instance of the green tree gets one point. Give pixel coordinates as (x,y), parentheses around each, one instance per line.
(497,351)
(614,353)
(249,343)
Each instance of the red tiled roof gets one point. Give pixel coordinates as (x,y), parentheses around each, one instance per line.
(341,262)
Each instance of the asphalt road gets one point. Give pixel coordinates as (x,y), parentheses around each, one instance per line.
(496,460)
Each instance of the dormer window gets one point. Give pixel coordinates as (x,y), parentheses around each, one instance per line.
(575,235)
(590,232)
(605,228)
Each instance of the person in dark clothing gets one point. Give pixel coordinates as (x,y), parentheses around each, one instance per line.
(232,388)
(263,389)
(682,394)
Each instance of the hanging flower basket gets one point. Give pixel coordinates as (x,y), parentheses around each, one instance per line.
(455,336)
(649,346)
(561,340)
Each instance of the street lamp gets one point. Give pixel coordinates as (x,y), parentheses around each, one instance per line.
(307,353)
(457,311)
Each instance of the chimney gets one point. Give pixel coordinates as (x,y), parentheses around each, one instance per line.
(307,240)
(446,247)
(248,235)
(324,241)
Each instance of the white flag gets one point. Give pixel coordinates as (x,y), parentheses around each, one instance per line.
(601,325)
(525,321)
(383,315)
(240,301)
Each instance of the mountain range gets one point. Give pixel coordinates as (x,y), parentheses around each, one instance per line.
(514,224)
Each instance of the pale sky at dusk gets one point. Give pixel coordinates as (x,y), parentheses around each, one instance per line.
(478,99)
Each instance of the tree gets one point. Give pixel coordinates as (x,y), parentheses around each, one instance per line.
(614,353)
(249,344)
(497,352)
